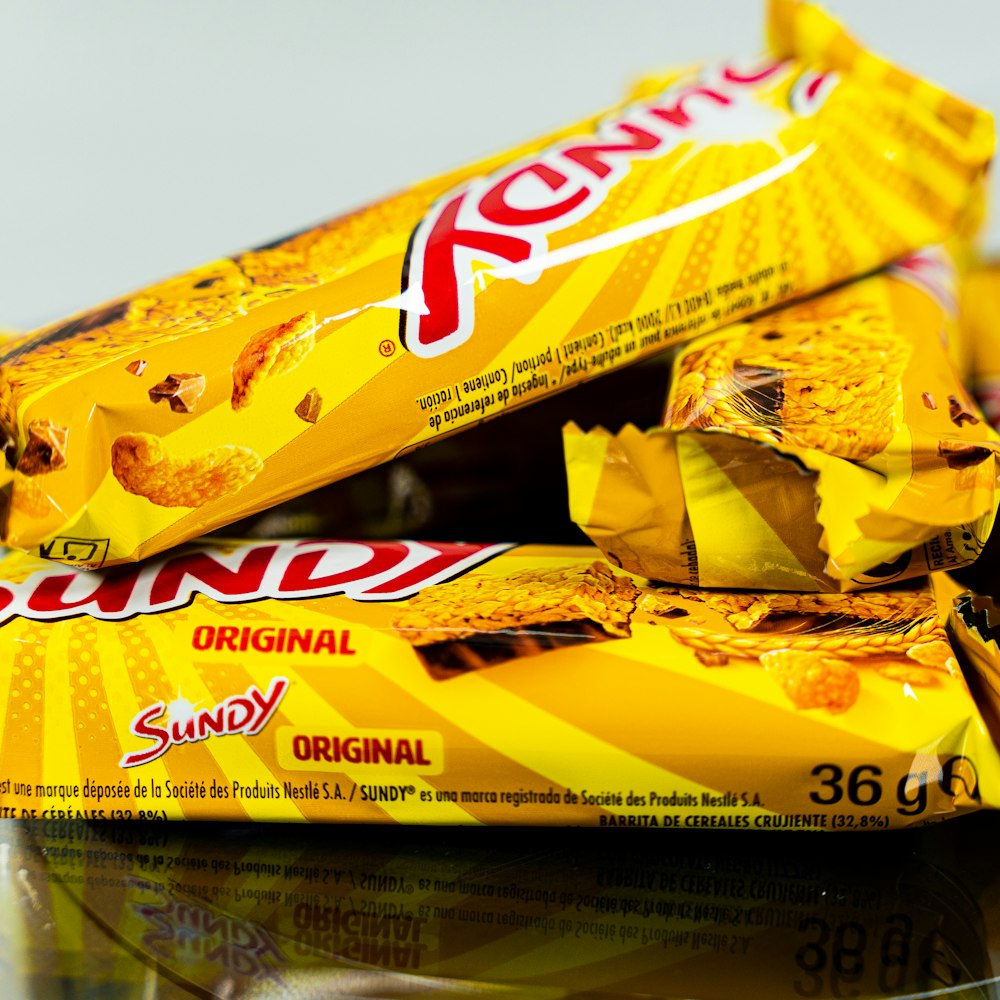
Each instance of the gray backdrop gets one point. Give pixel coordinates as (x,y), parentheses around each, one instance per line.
(139,138)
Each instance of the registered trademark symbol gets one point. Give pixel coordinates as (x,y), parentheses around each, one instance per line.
(387,348)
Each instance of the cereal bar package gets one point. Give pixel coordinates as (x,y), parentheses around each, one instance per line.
(706,196)
(828,445)
(455,683)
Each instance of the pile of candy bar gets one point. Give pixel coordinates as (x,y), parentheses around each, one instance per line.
(762,260)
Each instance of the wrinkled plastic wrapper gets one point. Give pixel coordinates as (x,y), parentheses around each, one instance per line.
(707,196)
(826,446)
(434,683)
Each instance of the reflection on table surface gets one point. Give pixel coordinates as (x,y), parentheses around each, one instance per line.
(170,910)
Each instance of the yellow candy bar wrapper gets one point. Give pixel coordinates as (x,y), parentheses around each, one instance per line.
(706,196)
(827,446)
(453,683)
(223,914)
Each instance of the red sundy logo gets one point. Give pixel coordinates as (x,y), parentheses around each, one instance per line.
(168,725)
(505,220)
(284,571)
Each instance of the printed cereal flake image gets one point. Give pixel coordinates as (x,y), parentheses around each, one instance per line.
(824,374)
(273,351)
(141,463)
(814,646)
(480,620)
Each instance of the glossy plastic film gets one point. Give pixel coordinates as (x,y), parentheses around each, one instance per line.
(828,445)
(707,196)
(425,683)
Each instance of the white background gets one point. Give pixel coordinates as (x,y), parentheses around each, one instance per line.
(140,138)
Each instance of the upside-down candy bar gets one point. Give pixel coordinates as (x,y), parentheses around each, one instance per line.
(420,683)
(828,445)
(705,197)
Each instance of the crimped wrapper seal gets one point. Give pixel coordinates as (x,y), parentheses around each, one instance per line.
(825,446)
(707,196)
(432,683)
